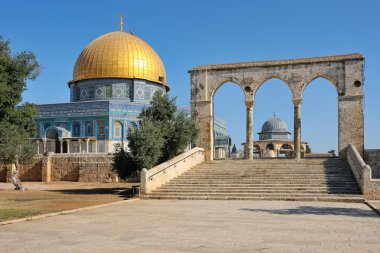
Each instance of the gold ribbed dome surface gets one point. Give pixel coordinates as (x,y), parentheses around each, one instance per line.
(119,55)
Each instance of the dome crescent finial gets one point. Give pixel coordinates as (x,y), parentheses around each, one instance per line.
(121,23)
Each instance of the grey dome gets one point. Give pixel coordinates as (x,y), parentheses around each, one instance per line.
(274,124)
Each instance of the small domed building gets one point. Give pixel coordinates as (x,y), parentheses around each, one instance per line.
(274,140)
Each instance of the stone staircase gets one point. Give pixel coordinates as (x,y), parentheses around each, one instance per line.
(320,179)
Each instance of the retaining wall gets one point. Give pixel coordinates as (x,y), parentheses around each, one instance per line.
(65,167)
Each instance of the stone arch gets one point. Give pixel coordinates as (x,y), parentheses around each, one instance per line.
(272,77)
(257,147)
(52,133)
(286,146)
(220,84)
(330,79)
(56,135)
(269,146)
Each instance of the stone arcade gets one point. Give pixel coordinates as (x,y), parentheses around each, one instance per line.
(345,72)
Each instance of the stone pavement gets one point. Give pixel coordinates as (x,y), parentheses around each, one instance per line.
(201,226)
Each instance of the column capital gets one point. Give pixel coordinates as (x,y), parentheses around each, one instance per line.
(249,103)
(297,101)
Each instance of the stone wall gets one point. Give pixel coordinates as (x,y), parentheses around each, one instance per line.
(372,158)
(3,173)
(32,171)
(65,167)
(28,172)
(97,172)
(81,167)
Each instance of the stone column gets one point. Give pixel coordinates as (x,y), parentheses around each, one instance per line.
(87,141)
(249,129)
(202,114)
(96,146)
(80,145)
(44,141)
(297,127)
(350,124)
(46,167)
(61,145)
(68,145)
(38,147)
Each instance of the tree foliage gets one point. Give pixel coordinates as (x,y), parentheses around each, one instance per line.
(146,142)
(163,133)
(16,123)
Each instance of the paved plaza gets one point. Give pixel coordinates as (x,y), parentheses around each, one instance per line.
(201,226)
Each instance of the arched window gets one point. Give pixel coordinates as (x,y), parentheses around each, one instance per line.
(270,146)
(76,129)
(117,126)
(89,129)
(101,129)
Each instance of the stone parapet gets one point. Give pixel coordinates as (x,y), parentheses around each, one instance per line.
(323,59)
(159,175)
(363,174)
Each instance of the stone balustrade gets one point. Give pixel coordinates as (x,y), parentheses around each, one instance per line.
(164,172)
(363,174)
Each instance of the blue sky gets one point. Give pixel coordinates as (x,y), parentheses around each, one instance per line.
(198,32)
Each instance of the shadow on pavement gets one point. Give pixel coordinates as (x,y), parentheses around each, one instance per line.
(302,210)
(119,191)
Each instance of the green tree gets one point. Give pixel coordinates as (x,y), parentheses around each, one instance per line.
(178,130)
(16,123)
(163,133)
(146,143)
(123,162)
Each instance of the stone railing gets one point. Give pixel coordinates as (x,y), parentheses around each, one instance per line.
(362,172)
(161,174)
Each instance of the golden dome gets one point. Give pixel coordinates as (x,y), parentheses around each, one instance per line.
(120,55)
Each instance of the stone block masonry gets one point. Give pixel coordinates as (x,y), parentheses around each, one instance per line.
(65,167)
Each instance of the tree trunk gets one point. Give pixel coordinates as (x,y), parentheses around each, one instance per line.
(15,180)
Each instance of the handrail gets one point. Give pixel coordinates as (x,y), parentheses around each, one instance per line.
(158,172)
(355,157)
(164,172)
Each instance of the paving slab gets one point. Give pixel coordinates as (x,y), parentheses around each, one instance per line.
(202,226)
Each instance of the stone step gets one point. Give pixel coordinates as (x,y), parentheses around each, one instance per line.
(234,170)
(255,191)
(273,179)
(308,175)
(344,198)
(253,186)
(260,180)
(222,166)
(249,194)
(247,185)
